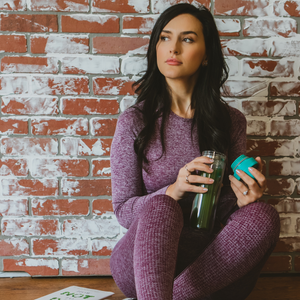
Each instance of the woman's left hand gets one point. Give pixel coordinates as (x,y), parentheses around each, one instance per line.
(251,192)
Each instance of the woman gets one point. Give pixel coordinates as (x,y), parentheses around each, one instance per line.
(154,155)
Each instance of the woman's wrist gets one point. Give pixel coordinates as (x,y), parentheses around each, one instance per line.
(170,192)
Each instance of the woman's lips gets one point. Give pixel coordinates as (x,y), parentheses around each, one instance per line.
(173,62)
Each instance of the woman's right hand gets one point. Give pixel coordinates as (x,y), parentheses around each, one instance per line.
(186,182)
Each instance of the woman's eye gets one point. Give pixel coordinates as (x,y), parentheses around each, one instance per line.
(163,38)
(188,40)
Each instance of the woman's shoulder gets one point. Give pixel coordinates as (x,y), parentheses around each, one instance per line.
(131,117)
(237,117)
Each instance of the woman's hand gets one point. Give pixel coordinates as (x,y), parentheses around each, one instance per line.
(186,181)
(253,190)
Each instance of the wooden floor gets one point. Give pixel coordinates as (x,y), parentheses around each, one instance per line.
(26,288)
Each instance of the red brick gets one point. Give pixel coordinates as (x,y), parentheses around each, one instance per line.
(60,85)
(278,264)
(256,127)
(90,65)
(285,47)
(159,6)
(286,205)
(269,27)
(121,6)
(285,89)
(60,207)
(59,167)
(241,8)
(269,108)
(101,167)
(30,105)
(298,186)
(83,267)
(139,24)
(119,45)
(239,88)
(287,8)
(15,5)
(29,23)
(286,225)
(279,187)
(103,247)
(13,126)
(15,167)
(297,263)
(13,43)
(28,227)
(25,64)
(271,68)
(16,207)
(112,86)
(29,187)
(10,247)
(89,106)
(90,23)
(269,147)
(13,84)
(63,5)
(86,187)
(228,27)
(60,247)
(245,47)
(133,65)
(59,44)
(103,127)
(29,146)
(60,126)
(83,147)
(101,206)
(289,244)
(289,127)
(37,266)
(105,227)
(284,167)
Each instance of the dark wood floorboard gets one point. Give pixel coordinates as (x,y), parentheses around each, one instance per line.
(26,288)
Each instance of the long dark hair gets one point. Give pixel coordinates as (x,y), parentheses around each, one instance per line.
(211,115)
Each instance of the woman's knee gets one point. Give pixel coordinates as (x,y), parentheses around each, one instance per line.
(261,217)
(162,207)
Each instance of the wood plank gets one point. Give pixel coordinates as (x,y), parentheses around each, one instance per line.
(33,288)
(26,288)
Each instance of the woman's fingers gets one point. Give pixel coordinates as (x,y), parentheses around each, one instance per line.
(201,163)
(196,179)
(258,159)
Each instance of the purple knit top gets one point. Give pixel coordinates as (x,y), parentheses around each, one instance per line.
(132,186)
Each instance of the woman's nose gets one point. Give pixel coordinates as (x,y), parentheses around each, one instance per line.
(174,51)
(174,48)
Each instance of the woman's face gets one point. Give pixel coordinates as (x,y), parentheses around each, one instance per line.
(181,48)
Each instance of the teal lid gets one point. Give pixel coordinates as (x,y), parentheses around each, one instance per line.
(244,162)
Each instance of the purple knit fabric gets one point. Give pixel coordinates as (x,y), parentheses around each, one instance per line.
(160,256)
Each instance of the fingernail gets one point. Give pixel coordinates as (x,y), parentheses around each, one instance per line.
(211,169)
(211,160)
(238,171)
(230,176)
(210,180)
(250,169)
(205,189)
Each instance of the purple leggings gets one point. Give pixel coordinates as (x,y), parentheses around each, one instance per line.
(161,258)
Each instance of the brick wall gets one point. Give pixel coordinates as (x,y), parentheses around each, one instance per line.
(66,74)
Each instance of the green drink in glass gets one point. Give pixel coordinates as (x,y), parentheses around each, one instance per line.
(205,205)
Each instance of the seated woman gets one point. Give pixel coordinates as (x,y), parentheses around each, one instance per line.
(154,155)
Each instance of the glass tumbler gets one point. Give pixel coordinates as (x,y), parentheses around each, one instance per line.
(205,205)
